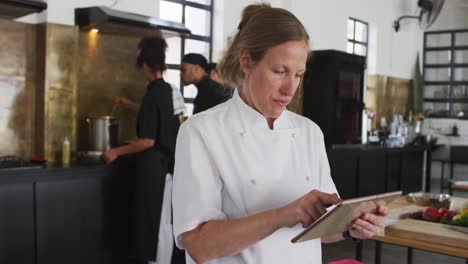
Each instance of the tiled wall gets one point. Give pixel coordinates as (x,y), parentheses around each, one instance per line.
(18,58)
(440,128)
(106,70)
(58,96)
(387,96)
(52,77)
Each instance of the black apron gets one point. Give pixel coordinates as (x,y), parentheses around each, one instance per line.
(150,178)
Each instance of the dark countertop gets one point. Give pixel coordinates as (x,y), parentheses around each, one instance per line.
(375,147)
(19,175)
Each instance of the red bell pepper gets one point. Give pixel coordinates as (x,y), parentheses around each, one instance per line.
(431,214)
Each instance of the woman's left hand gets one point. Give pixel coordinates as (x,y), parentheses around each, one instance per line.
(109,155)
(369,224)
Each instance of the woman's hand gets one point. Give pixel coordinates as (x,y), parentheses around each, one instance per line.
(122,101)
(218,235)
(308,208)
(127,103)
(369,224)
(109,155)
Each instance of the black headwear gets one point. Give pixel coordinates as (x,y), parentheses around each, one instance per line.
(196,59)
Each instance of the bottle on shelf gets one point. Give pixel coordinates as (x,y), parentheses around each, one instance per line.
(454,130)
(394,125)
(66,153)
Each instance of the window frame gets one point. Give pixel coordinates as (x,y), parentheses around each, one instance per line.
(354,41)
(208,39)
(451,66)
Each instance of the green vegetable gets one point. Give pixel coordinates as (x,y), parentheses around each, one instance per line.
(460,220)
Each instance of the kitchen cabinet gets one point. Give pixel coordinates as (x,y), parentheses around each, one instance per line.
(371,179)
(69,226)
(363,170)
(75,215)
(17,223)
(411,171)
(393,169)
(333,94)
(344,171)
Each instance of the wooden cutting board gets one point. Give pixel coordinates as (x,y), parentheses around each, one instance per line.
(427,231)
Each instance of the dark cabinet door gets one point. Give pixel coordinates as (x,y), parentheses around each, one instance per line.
(411,170)
(371,172)
(343,167)
(393,171)
(69,221)
(361,172)
(17,223)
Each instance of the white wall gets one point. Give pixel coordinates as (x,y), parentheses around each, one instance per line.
(63,11)
(227,17)
(390,53)
(326,22)
(453,16)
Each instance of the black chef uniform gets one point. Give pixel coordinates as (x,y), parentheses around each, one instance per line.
(156,120)
(210,93)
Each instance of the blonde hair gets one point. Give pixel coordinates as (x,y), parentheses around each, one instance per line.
(261,27)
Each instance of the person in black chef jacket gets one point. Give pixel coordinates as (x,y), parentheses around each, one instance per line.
(210,93)
(157,127)
(214,75)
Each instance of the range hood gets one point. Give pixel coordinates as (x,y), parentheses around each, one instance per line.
(18,8)
(110,20)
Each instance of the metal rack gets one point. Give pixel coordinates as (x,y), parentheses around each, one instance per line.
(445,70)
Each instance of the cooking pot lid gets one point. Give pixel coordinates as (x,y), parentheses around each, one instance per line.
(107,117)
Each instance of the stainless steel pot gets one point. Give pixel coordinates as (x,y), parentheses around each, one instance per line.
(103,133)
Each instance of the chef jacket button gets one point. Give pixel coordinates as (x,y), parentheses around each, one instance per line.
(242,133)
(253,181)
(307,178)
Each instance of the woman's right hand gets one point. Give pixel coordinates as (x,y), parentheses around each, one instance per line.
(122,101)
(127,103)
(307,209)
(109,155)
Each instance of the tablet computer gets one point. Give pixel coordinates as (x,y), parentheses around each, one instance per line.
(339,217)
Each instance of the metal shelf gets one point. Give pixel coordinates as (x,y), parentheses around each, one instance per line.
(455,65)
(446,100)
(451,65)
(445,48)
(445,83)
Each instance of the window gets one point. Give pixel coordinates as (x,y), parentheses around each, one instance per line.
(197,15)
(358,35)
(445,73)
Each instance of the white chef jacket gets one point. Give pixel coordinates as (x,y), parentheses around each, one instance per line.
(229,165)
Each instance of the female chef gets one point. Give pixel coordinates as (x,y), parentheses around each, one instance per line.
(157,127)
(248,173)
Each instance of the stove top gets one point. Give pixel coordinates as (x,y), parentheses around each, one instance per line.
(15,162)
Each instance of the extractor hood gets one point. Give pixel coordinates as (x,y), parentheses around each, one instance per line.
(110,20)
(18,8)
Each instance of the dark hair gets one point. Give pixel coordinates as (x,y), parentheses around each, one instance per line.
(211,66)
(261,28)
(196,59)
(152,52)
